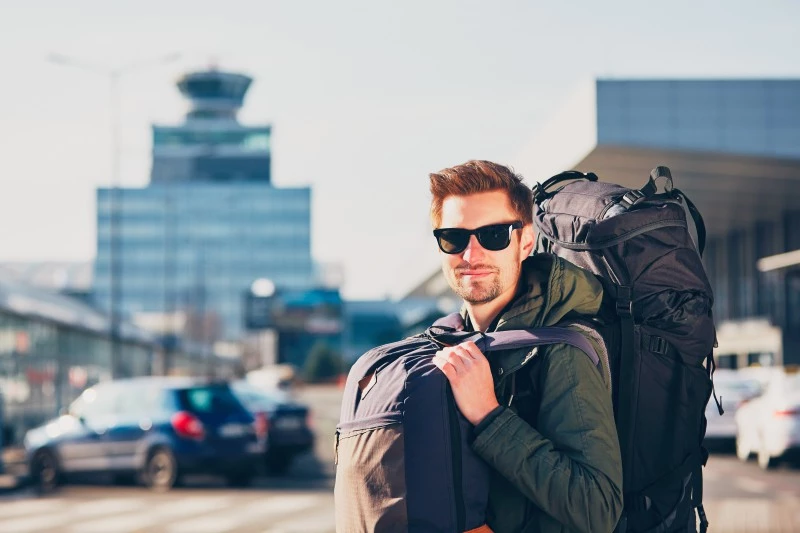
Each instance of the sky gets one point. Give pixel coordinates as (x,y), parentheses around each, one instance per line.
(366,97)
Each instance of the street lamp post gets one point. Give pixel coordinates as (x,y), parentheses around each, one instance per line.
(115,261)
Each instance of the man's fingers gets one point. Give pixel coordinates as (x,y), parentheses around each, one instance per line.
(457,360)
(455,356)
(445,366)
(472,350)
(465,359)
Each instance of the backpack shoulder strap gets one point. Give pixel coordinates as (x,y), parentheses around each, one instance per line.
(515,338)
(587,329)
(520,338)
(451,321)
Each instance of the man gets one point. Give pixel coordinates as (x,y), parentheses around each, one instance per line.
(545,423)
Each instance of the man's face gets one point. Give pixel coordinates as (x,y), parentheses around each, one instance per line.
(476,274)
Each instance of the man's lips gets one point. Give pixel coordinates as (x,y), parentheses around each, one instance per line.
(475,273)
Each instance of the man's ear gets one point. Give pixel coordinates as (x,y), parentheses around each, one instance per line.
(527,241)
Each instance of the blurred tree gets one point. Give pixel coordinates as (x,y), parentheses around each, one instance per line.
(323,363)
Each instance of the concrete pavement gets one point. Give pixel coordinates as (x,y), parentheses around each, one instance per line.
(105,509)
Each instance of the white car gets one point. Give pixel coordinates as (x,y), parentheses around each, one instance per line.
(769,425)
(732,390)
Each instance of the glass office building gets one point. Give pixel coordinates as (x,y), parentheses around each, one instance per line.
(734,148)
(209,223)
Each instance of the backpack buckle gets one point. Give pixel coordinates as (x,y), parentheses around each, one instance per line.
(631,197)
(624,308)
(658,345)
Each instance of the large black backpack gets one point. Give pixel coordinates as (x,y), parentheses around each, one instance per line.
(657,324)
(403,456)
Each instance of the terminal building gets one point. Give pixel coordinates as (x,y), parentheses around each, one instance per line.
(180,254)
(734,148)
(51,348)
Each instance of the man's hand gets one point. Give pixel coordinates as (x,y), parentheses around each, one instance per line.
(468,371)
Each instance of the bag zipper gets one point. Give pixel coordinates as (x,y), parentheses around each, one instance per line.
(336,449)
(608,206)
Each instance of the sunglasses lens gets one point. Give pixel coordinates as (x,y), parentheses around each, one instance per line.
(495,237)
(453,241)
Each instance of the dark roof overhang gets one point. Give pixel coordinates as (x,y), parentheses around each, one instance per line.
(731,191)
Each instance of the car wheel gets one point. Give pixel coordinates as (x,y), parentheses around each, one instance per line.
(45,472)
(161,470)
(765,460)
(742,450)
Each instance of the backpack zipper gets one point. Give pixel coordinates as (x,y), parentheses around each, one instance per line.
(336,449)
(608,206)
(455,440)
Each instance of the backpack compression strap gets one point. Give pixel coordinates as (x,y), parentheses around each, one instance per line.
(449,330)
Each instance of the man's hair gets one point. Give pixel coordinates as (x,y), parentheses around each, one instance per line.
(480,176)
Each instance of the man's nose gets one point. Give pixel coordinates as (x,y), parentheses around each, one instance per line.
(474,250)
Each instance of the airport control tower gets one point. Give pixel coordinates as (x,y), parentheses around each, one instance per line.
(211,145)
(209,223)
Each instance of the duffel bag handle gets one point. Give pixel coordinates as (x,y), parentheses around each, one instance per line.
(540,189)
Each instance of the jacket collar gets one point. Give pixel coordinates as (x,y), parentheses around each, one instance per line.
(550,289)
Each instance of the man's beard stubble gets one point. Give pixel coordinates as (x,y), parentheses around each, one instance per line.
(480,292)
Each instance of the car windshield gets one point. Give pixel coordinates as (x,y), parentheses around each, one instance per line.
(209,399)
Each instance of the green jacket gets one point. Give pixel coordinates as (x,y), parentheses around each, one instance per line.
(554,452)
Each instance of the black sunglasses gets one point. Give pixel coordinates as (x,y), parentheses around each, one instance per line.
(493,237)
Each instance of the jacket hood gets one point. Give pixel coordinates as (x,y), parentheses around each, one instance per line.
(551,289)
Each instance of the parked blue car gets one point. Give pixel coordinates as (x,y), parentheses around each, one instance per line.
(156,429)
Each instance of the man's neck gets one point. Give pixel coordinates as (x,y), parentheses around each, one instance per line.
(482,315)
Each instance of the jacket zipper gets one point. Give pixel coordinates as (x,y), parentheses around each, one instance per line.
(455,440)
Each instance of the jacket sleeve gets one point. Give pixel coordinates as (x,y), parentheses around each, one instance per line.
(571,466)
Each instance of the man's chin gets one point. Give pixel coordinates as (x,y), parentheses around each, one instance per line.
(479,299)
(477,294)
